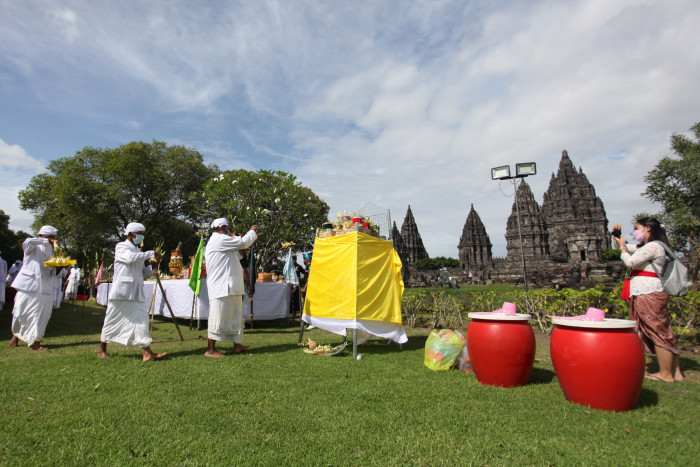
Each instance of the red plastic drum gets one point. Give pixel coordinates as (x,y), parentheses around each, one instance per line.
(501,348)
(598,364)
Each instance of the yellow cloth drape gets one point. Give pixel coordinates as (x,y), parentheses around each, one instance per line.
(355,276)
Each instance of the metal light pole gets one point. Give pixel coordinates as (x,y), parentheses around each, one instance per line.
(521,171)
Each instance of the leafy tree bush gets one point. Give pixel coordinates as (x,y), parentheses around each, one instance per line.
(10,241)
(284,210)
(675,183)
(91,196)
(436,263)
(610,254)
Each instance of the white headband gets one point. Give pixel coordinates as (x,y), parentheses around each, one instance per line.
(48,230)
(134,227)
(220,222)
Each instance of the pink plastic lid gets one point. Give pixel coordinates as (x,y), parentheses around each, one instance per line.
(607,323)
(493,316)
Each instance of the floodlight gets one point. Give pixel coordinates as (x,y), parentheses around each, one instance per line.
(500,173)
(525,169)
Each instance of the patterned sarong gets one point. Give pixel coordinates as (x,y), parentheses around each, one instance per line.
(651,313)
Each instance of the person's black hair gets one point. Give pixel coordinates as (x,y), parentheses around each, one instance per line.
(656,232)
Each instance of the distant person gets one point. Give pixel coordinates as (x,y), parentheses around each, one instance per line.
(14,270)
(58,288)
(126,321)
(3,281)
(73,283)
(648,301)
(225,286)
(34,284)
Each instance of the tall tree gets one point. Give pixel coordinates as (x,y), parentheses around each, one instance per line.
(10,241)
(285,210)
(675,183)
(91,196)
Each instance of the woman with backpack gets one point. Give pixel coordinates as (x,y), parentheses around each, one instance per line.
(647,298)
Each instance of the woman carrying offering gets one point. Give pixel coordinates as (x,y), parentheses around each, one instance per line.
(648,301)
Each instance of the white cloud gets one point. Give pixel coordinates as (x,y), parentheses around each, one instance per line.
(13,156)
(368,103)
(19,220)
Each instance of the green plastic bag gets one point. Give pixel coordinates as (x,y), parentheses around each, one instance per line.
(442,349)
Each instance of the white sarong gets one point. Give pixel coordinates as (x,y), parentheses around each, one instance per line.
(57,295)
(126,323)
(226,319)
(30,315)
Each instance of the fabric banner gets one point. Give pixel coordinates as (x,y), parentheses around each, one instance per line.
(355,277)
(196,269)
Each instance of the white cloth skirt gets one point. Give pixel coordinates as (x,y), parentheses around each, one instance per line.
(71,290)
(226,319)
(58,294)
(30,315)
(126,323)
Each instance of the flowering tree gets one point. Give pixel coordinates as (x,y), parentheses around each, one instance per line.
(675,183)
(284,210)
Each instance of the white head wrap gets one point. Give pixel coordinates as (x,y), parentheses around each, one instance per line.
(48,230)
(219,222)
(134,227)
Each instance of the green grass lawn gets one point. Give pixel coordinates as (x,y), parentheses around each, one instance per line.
(276,405)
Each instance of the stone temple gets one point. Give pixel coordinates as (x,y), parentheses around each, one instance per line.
(562,240)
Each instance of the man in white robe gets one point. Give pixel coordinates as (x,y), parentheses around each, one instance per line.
(58,288)
(126,320)
(73,282)
(35,288)
(225,287)
(3,281)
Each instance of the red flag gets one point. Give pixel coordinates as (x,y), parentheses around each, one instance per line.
(99,273)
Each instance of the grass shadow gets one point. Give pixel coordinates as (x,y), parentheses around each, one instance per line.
(647,398)
(541,376)
(687,364)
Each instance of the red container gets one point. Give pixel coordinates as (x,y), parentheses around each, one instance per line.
(356,220)
(598,364)
(501,348)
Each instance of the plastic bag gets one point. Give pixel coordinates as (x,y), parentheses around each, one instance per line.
(463,362)
(442,349)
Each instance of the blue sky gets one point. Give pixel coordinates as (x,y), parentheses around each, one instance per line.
(384,102)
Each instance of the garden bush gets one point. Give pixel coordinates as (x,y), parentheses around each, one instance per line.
(435,309)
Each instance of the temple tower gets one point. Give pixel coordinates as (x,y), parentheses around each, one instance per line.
(576,219)
(474,245)
(412,248)
(532,223)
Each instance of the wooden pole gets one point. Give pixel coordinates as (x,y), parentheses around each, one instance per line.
(194,299)
(151,309)
(162,290)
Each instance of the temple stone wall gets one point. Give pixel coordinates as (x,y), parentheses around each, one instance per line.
(562,241)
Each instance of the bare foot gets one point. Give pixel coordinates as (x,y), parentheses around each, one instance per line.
(657,377)
(103,355)
(37,346)
(153,356)
(13,341)
(238,348)
(213,354)
(679,375)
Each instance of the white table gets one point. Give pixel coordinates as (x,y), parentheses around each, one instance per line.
(271,300)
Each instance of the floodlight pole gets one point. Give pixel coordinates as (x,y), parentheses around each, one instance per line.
(520,234)
(503,173)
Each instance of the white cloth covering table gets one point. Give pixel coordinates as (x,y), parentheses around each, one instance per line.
(271,300)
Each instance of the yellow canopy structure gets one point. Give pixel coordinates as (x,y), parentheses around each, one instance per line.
(355,277)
